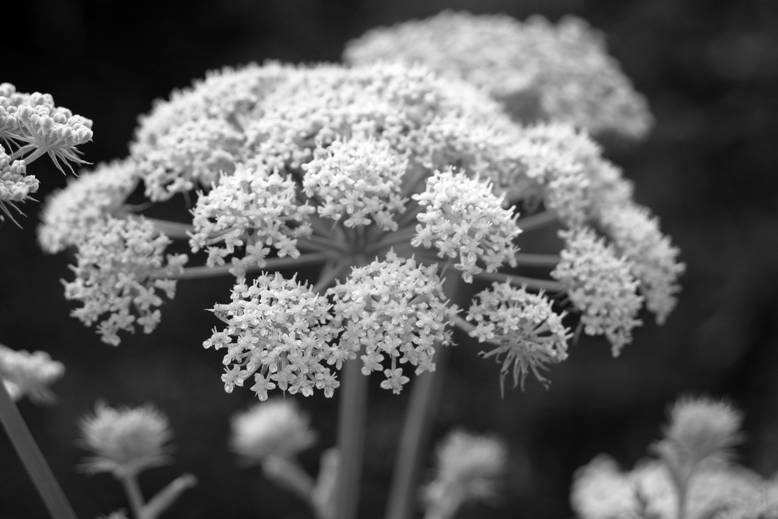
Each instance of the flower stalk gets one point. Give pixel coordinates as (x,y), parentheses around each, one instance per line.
(38,469)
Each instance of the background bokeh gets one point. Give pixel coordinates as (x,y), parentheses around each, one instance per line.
(708,169)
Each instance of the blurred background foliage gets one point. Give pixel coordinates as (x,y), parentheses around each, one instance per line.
(710,72)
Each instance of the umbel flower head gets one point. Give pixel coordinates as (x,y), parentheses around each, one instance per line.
(525,331)
(31,126)
(125,440)
(400,184)
(273,428)
(537,69)
(29,374)
(468,468)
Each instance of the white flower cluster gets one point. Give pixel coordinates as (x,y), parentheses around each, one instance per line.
(602,491)
(526,332)
(189,140)
(468,468)
(31,126)
(462,218)
(559,72)
(29,374)
(273,428)
(279,332)
(126,440)
(120,271)
(251,208)
(393,311)
(359,179)
(654,259)
(90,198)
(600,285)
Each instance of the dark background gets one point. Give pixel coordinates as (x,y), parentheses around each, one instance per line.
(708,169)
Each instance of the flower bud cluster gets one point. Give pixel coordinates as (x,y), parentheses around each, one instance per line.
(251,209)
(358,181)
(93,196)
(600,285)
(463,219)
(278,331)
(525,331)
(120,272)
(125,441)
(392,311)
(273,428)
(29,374)
(537,69)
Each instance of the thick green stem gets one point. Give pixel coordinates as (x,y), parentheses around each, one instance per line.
(522,281)
(168,495)
(176,230)
(32,458)
(351,438)
(536,221)
(270,264)
(134,495)
(414,439)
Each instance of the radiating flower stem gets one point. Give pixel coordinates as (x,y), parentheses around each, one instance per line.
(537,260)
(134,495)
(418,423)
(401,236)
(175,230)
(54,498)
(270,264)
(168,495)
(351,438)
(539,284)
(414,438)
(536,221)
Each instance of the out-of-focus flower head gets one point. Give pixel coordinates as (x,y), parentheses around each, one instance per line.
(188,140)
(700,429)
(251,209)
(600,285)
(125,440)
(535,68)
(273,428)
(29,374)
(31,126)
(601,491)
(463,219)
(653,258)
(392,312)
(120,272)
(278,332)
(526,332)
(468,468)
(69,213)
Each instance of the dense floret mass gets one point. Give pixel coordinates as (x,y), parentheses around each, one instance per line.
(560,72)
(600,285)
(279,332)
(523,328)
(273,428)
(29,374)
(120,274)
(393,312)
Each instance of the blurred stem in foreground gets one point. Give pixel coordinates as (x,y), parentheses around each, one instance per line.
(32,458)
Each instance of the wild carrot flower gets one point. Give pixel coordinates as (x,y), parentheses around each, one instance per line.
(392,311)
(29,374)
(600,285)
(251,210)
(278,332)
(119,274)
(468,468)
(464,220)
(69,213)
(525,331)
(126,440)
(273,428)
(31,126)
(537,69)
(398,182)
